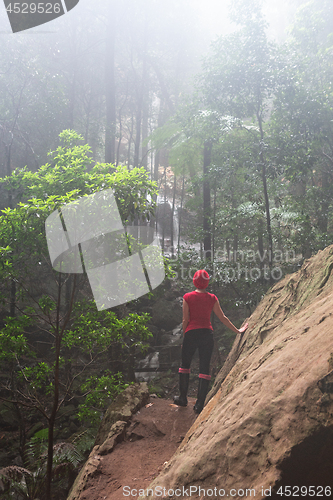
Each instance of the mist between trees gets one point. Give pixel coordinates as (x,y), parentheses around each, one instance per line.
(230,159)
(242,149)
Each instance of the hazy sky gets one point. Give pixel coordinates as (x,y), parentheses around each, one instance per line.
(213,15)
(279,14)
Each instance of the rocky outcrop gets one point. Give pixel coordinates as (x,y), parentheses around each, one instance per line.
(122,409)
(268,424)
(111,431)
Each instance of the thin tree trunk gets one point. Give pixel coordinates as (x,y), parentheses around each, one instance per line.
(214,224)
(156,165)
(12,304)
(72,94)
(227,246)
(120,138)
(180,214)
(324,204)
(130,143)
(137,135)
(206,202)
(235,247)
(121,127)
(52,417)
(141,96)
(164,209)
(264,182)
(173,213)
(160,122)
(110,90)
(145,119)
(51,420)
(261,249)
(9,172)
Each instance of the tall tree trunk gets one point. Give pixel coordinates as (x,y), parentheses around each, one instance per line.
(72,90)
(110,85)
(261,249)
(141,97)
(206,202)
(164,210)
(145,119)
(12,304)
(235,247)
(120,138)
(324,203)
(59,332)
(156,165)
(214,224)
(130,142)
(264,182)
(180,214)
(227,247)
(137,142)
(173,213)
(54,410)
(8,149)
(160,122)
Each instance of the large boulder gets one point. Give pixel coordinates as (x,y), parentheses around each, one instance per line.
(267,429)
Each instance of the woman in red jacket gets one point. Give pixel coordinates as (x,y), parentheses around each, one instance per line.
(198,334)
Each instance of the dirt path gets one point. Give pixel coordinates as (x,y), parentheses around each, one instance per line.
(152,438)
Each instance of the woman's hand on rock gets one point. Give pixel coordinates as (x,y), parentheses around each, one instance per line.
(243,328)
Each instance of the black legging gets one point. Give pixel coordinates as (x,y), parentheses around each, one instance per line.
(202,339)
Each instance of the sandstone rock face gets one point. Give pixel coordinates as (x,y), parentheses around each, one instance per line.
(268,424)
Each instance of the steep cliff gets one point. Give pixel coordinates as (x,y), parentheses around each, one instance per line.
(268,426)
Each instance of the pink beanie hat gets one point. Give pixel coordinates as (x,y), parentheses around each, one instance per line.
(201,279)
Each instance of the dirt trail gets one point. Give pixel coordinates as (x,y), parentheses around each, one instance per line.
(152,438)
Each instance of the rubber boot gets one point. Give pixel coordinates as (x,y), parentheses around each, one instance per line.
(184,379)
(202,393)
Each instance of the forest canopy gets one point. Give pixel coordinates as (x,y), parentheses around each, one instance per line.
(226,151)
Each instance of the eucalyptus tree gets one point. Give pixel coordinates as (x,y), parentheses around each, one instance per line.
(239,80)
(235,187)
(301,125)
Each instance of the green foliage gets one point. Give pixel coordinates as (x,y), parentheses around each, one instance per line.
(22,229)
(13,343)
(99,393)
(46,304)
(84,441)
(16,483)
(96,330)
(36,449)
(67,177)
(301,127)
(29,483)
(56,308)
(267,111)
(38,377)
(239,76)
